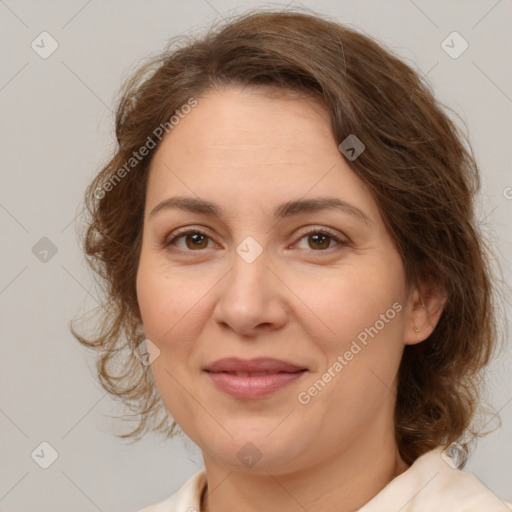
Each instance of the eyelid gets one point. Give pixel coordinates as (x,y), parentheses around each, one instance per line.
(336,235)
(178,233)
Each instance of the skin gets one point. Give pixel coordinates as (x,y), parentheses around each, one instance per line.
(304,299)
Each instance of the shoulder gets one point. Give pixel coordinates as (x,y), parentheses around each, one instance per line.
(433,483)
(185,499)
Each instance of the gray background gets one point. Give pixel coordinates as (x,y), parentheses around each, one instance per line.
(56,132)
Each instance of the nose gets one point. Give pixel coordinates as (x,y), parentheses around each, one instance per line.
(251,298)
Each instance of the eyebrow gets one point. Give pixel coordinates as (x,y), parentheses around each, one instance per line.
(287,209)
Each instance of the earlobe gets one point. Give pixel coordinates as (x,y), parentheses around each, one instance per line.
(426,307)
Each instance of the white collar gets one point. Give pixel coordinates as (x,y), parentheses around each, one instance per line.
(431,484)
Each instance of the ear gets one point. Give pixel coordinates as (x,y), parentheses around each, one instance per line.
(424,309)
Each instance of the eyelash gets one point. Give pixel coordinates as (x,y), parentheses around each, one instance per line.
(187,231)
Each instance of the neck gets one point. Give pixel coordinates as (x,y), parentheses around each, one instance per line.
(343,483)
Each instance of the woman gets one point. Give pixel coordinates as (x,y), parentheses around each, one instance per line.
(286,232)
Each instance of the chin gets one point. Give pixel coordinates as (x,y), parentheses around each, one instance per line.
(257,452)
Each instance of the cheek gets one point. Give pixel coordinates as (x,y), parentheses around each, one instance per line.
(354,298)
(155,301)
(168,317)
(167,299)
(362,311)
(356,384)
(173,309)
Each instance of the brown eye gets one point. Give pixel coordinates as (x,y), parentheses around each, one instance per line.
(196,241)
(319,241)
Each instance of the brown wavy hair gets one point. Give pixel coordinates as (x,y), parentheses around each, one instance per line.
(418,165)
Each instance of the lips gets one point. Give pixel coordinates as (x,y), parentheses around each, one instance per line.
(254,378)
(263,365)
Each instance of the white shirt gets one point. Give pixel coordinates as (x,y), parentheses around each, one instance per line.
(429,485)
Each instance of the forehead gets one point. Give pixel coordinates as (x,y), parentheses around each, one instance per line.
(237,119)
(246,146)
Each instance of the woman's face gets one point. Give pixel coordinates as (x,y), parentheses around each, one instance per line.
(266,274)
